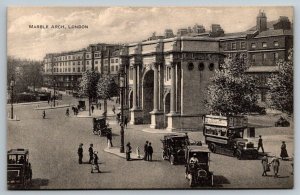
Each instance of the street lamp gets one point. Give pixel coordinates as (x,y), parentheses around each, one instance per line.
(12,84)
(54,83)
(122,86)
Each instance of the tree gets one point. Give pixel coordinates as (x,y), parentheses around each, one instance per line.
(232,91)
(106,89)
(281,86)
(88,86)
(32,74)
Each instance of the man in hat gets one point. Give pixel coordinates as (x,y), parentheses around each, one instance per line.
(150,152)
(260,144)
(283,153)
(91,152)
(265,165)
(275,164)
(80,153)
(146,151)
(194,159)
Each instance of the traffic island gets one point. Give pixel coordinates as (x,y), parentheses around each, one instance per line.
(116,151)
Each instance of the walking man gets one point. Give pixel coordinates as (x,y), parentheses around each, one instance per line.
(67,112)
(260,144)
(109,139)
(91,152)
(95,165)
(80,153)
(125,121)
(146,151)
(92,108)
(44,114)
(128,151)
(150,152)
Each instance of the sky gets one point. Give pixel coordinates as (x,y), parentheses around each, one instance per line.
(116,25)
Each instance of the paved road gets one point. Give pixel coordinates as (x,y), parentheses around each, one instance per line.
(53,144)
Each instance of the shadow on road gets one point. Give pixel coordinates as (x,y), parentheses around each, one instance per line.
(219,180)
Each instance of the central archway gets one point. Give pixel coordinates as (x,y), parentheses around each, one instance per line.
(148,84)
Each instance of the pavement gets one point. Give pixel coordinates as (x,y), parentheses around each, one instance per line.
(52,107)
(116,151)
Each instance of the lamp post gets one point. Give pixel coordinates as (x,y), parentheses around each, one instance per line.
(122,86)
(12,84)
(54,83)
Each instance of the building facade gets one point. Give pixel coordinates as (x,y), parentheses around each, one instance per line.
(167,76)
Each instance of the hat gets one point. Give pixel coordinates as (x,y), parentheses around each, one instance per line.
(91,144)
(283,141)
(259,135)
(81,144)
(95,152)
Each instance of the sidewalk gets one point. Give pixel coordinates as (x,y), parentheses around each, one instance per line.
(158,131)
(96,113)
(116,151)
(52,107)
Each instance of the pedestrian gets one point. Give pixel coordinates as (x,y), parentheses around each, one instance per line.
(95,165)
(114,109)
(265,165)
(44,114)
(97,105)
(260,144)
(67,112)
(48,100)
(146,151)
(128,151)
(119,117)
(275,164)
(150,152)
(73,109)
(283,153)
(91,152)
(125,121)
(92,108)
(109,139)
(80,153)
(138,152)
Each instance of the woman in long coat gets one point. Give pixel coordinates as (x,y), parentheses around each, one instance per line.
(283,153)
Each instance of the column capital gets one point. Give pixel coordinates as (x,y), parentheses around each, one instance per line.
(156,64)
(174,64)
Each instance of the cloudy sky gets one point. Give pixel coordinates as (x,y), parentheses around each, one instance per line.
(116,25)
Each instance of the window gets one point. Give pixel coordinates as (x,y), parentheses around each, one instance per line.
(87,56)
(201,66)
(117,60)
(211,67)
(243,45)
(253,57)
(225,46)
(69,69)
(233,46)
(253,45)
(275,56)
(276,44)
(264,57)
(96,68)
(112,68)
(190,66)
(112,61)
(105,61)
(131,73)
(96,62)
(74,70)
(74,63)
(78,63)
(78,69)
(117,67)
(264,45)
(87,62)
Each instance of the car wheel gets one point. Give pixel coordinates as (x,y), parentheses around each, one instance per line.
(172,160)
(238,154)
(213,148)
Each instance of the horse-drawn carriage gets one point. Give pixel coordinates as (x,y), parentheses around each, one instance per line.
(100,127)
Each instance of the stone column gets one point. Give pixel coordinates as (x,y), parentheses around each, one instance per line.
(155,97)
(173,89)
(134,95)
(156,115)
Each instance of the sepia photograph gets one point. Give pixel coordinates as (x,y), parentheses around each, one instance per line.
(150,98)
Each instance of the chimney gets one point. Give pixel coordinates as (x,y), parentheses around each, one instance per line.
(216,30)
(261,21)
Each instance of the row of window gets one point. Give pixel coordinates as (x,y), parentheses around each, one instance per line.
(264,44)
(254,57)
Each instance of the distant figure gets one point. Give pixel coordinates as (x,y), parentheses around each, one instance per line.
(73,109)
(128,151)
(109,139)
(44,114)
(114,109)
(260,144)
(265,165)
(119,117)
(67,112)
(275,164)
(194,159)
(125,121)
(283,153)
(92,108)
(95,165)
(138,153)
(80,153)
(91,152)
(146,151)
(100,105)
(150,152)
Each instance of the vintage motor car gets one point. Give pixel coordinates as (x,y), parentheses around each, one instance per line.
(100,127)
(225,135)
(19,172)
(174,146)
(197,166)
(282,122)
